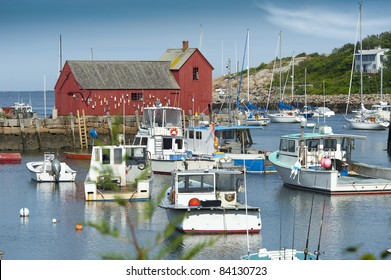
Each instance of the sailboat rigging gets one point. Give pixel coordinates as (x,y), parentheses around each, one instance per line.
(364,118)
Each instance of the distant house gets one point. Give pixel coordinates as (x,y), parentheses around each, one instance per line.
(182,78)
(372,60)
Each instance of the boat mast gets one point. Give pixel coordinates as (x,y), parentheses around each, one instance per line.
(361,66)
(248,66)
(293,73)
(60,57)
(280,68)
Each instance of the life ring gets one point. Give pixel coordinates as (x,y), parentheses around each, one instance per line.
(174,131)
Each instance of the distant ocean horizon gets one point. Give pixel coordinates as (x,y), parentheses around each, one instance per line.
(34,98)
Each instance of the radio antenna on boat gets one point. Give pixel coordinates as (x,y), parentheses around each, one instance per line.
(309,228)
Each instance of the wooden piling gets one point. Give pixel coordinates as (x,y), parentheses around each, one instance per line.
(38,134)
(21,125)
(73,130)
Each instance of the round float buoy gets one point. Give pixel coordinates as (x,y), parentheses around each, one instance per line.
(79,227)
(326,163)
(54,220)
(24,212)
(194,202)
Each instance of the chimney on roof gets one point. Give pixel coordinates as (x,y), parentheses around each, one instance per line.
(185,45)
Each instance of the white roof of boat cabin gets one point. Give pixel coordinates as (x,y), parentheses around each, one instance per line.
(162,107)
(207,171)
(317,135)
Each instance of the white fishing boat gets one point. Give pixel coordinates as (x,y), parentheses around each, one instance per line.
(322,161)
(207,201)
(162,131)
(50,170)
(118,171)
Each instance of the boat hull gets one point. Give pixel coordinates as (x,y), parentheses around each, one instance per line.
(10,158)
(331,181)
(254,163)
(75,155)
(283,118)
(40,174)
(215,219)
(366,125)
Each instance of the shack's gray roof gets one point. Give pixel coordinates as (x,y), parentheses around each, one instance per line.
(177,57)
(123,74)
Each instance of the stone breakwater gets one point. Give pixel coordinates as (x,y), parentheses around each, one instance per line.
(337,103)
(60,133)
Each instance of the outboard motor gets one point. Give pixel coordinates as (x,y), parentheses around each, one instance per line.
(56,169)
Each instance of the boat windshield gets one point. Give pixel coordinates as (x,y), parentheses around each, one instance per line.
(228,181)
(161,117)
(196,183)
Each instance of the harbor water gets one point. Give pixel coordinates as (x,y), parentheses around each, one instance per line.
(290,217)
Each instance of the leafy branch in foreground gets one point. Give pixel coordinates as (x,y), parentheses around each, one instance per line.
(166,241)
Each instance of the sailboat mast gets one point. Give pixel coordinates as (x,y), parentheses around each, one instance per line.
(280,69)
(248,65)
(60,57)
(361,66)
(293,74)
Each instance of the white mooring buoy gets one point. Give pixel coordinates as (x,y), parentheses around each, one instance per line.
(24,212)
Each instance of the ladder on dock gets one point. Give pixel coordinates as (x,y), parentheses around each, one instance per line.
(82,130)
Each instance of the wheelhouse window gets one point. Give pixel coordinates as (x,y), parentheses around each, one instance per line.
(167,143)
(312,145)
(117,156)
(179,143)
(287,145)
(137,96)
(136,141)
(105,156)
(198,135)
(330,144)
(195,183)
(195,74)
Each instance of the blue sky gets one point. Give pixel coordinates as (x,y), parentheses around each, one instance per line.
(144,29)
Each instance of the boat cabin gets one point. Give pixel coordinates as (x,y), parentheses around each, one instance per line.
(207,140)
(117,162)
(161,120)
(210,187)
(311,148)
(161,131)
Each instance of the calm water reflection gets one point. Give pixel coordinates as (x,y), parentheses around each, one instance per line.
(349,220)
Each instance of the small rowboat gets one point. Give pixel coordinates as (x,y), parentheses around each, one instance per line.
(77,155)
(10,158)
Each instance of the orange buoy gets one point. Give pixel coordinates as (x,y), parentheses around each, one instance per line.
(194,202)
(79,227)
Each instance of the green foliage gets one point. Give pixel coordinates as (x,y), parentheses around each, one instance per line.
(164,243)
(335,70)
(366,255)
